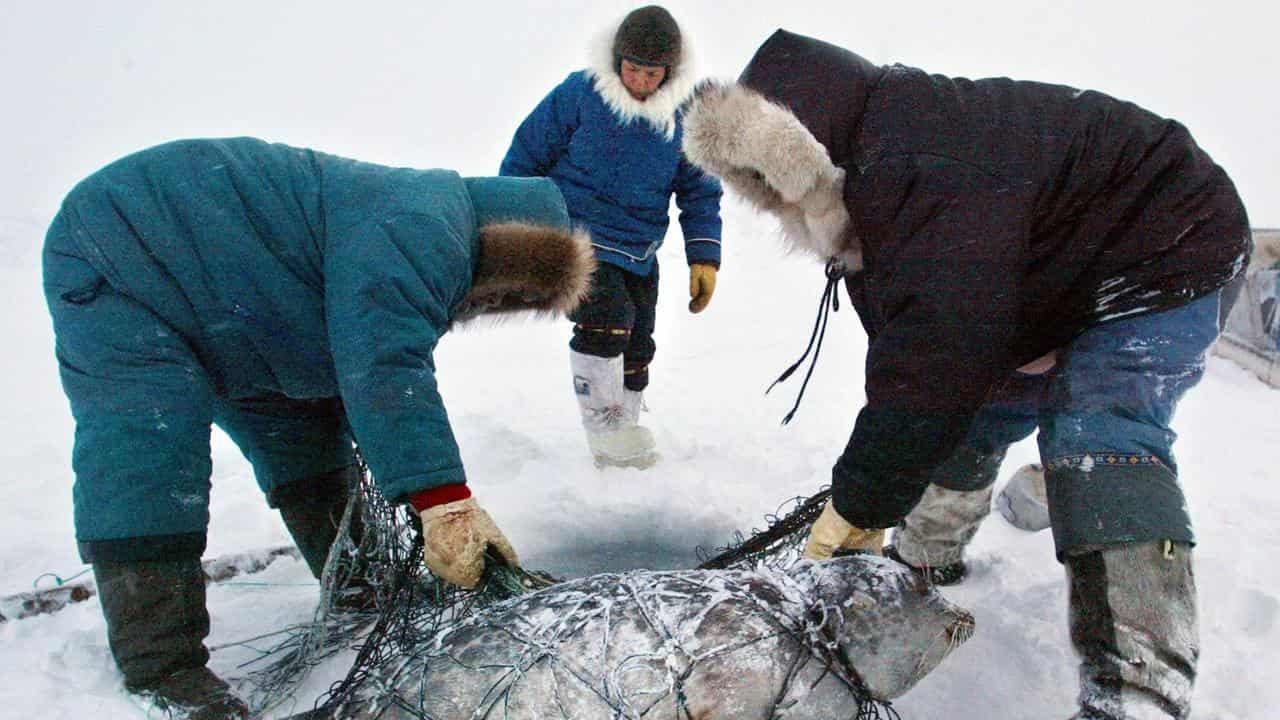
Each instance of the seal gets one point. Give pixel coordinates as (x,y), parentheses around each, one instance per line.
(813,642)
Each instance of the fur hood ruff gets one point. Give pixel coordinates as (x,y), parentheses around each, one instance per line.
(528,268)
(763,152)
(660,108)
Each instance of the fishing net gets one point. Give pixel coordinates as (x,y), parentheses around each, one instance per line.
(381,607)
(778,544)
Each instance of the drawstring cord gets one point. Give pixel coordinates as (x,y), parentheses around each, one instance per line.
(830,303)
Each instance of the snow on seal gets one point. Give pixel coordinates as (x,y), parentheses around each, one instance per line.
(816,641)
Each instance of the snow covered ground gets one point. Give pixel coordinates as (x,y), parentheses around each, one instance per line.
(87,84)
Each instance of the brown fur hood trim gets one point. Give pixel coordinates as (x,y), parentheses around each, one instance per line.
(528,268)
(763,152)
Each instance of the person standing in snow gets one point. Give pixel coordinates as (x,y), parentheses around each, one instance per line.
(609,137)
(294,299)
(986,231)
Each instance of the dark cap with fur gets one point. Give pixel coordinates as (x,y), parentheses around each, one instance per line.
(648,36)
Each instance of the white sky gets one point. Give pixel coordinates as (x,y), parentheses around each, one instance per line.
(444,83)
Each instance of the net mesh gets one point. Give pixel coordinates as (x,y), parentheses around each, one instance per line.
(381,606)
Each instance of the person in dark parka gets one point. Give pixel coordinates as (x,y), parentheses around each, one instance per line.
(295,299)
(988,231)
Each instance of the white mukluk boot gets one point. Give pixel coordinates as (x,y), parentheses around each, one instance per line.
(610,413)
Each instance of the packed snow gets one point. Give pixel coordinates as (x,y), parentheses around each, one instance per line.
(422,85)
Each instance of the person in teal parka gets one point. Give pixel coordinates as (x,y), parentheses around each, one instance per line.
(293,298)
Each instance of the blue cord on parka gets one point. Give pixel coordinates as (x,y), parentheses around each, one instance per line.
(835,270)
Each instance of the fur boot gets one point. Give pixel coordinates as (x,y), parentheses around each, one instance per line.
(1133,623)
(933,536)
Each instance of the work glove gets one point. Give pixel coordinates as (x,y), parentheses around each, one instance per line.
(455,538)
(702,283)
(831,532)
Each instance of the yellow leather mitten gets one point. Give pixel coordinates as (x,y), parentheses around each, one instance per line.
(455,538)
(702,283)
(831,532)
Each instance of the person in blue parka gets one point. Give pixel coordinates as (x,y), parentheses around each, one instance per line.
(609,136)
(294,299)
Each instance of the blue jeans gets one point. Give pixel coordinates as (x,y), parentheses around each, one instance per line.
(1104,413)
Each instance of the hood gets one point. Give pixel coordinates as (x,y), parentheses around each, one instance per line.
(824,86)
(528,258)
(660,108)
(783,134)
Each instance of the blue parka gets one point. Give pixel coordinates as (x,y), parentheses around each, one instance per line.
(278,271)
(618,171)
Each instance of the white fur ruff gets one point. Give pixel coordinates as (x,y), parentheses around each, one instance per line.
(660,108)
(763,152)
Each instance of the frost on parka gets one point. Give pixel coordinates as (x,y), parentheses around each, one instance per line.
(617,161)
(994,220)
(289,271)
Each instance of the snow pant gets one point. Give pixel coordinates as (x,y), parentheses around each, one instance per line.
(144,406)
(617,318)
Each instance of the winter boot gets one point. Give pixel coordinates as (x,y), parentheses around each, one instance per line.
(632,404)
(931,539)
(949,574)
(610,413)
(1024,501)
(156,625)
(1133,623)
(312,510)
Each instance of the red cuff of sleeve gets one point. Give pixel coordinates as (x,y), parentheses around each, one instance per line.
(432,497)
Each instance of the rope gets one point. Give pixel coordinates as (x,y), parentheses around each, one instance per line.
(830,303)
(58,581)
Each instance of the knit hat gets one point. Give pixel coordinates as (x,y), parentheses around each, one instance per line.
(648,36)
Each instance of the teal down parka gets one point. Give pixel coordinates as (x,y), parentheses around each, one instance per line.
(258,270)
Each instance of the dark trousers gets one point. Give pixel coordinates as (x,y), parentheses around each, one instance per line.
(617,318)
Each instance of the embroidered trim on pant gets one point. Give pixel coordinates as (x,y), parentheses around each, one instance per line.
(1090,460)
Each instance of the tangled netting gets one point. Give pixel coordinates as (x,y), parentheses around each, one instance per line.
(778,543)
(381,604)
